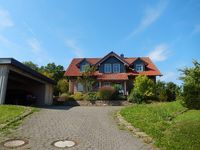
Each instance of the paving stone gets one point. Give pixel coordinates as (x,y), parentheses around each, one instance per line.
(92,128)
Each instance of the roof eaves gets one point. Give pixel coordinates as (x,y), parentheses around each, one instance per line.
(14,62)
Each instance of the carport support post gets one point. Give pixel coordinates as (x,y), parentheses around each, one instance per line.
(4,71)
(48,94)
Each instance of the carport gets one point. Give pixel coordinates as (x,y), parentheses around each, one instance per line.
(22,85)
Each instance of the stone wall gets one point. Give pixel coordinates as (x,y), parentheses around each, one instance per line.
(97,103)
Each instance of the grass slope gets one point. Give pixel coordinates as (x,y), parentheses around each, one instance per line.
(181,133)
(10,112)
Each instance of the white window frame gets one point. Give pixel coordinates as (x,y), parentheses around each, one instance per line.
(137,66)
(83,67)
(116,68)
(106,84)
(79,87)
(107,68)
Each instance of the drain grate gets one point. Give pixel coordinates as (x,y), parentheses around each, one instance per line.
(14,143)
(64,143)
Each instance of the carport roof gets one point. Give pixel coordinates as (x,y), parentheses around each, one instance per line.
(14,62)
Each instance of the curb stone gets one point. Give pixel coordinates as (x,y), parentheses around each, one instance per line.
(136,131)
(26,113)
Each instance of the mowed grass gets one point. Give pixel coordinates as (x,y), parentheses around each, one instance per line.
(180,133)
(9,112)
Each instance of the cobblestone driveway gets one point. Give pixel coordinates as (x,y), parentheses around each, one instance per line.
(93,128)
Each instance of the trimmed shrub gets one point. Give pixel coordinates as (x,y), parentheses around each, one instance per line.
(106,93)
(91,96)
(144,89)
(136,97)
(63,97)
(78,96)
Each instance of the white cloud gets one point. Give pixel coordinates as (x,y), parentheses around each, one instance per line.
(8,47)
(171,77)
(74,48)
(35,45)
(159,53)
(5,41)
(29,28)
(5,19)
(168,76)
(40,54)
(150,16)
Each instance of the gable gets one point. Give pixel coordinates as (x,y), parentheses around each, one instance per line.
(74,70)
(112,54)
(111,60)
(84,62)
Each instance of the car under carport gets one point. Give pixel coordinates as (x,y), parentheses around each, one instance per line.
(22,85)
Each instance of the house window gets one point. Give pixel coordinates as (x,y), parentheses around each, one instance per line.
(107,68)
(106,83)
(80,87)
(116,68)
(84,67)
(139,67)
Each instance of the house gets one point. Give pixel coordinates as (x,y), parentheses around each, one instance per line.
(111,69)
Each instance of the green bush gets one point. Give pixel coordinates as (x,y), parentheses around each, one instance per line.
(64,97)
(121,97)
(107,93)
(191,97)
(171,89)
(78,96)
(63,86)
(144,89)
(161,94)
(91,96)
(136,97)
(191,86)
(167,91)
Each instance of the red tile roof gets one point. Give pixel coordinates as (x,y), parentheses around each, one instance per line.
(73,69)
(113,76)
(152,70)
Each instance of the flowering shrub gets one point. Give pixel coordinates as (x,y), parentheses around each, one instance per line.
(107,93)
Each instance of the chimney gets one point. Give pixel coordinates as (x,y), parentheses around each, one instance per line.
(122,55)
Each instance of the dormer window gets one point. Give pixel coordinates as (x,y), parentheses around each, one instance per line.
(139,67)
(116,68)
(84,67)
(107,68)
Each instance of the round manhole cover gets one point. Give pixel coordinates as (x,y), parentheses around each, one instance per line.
(14,143)
(64,143)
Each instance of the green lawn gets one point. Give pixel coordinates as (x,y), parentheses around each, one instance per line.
(10,112)
(181,133)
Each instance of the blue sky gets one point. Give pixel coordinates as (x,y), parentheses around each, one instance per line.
(45,31)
